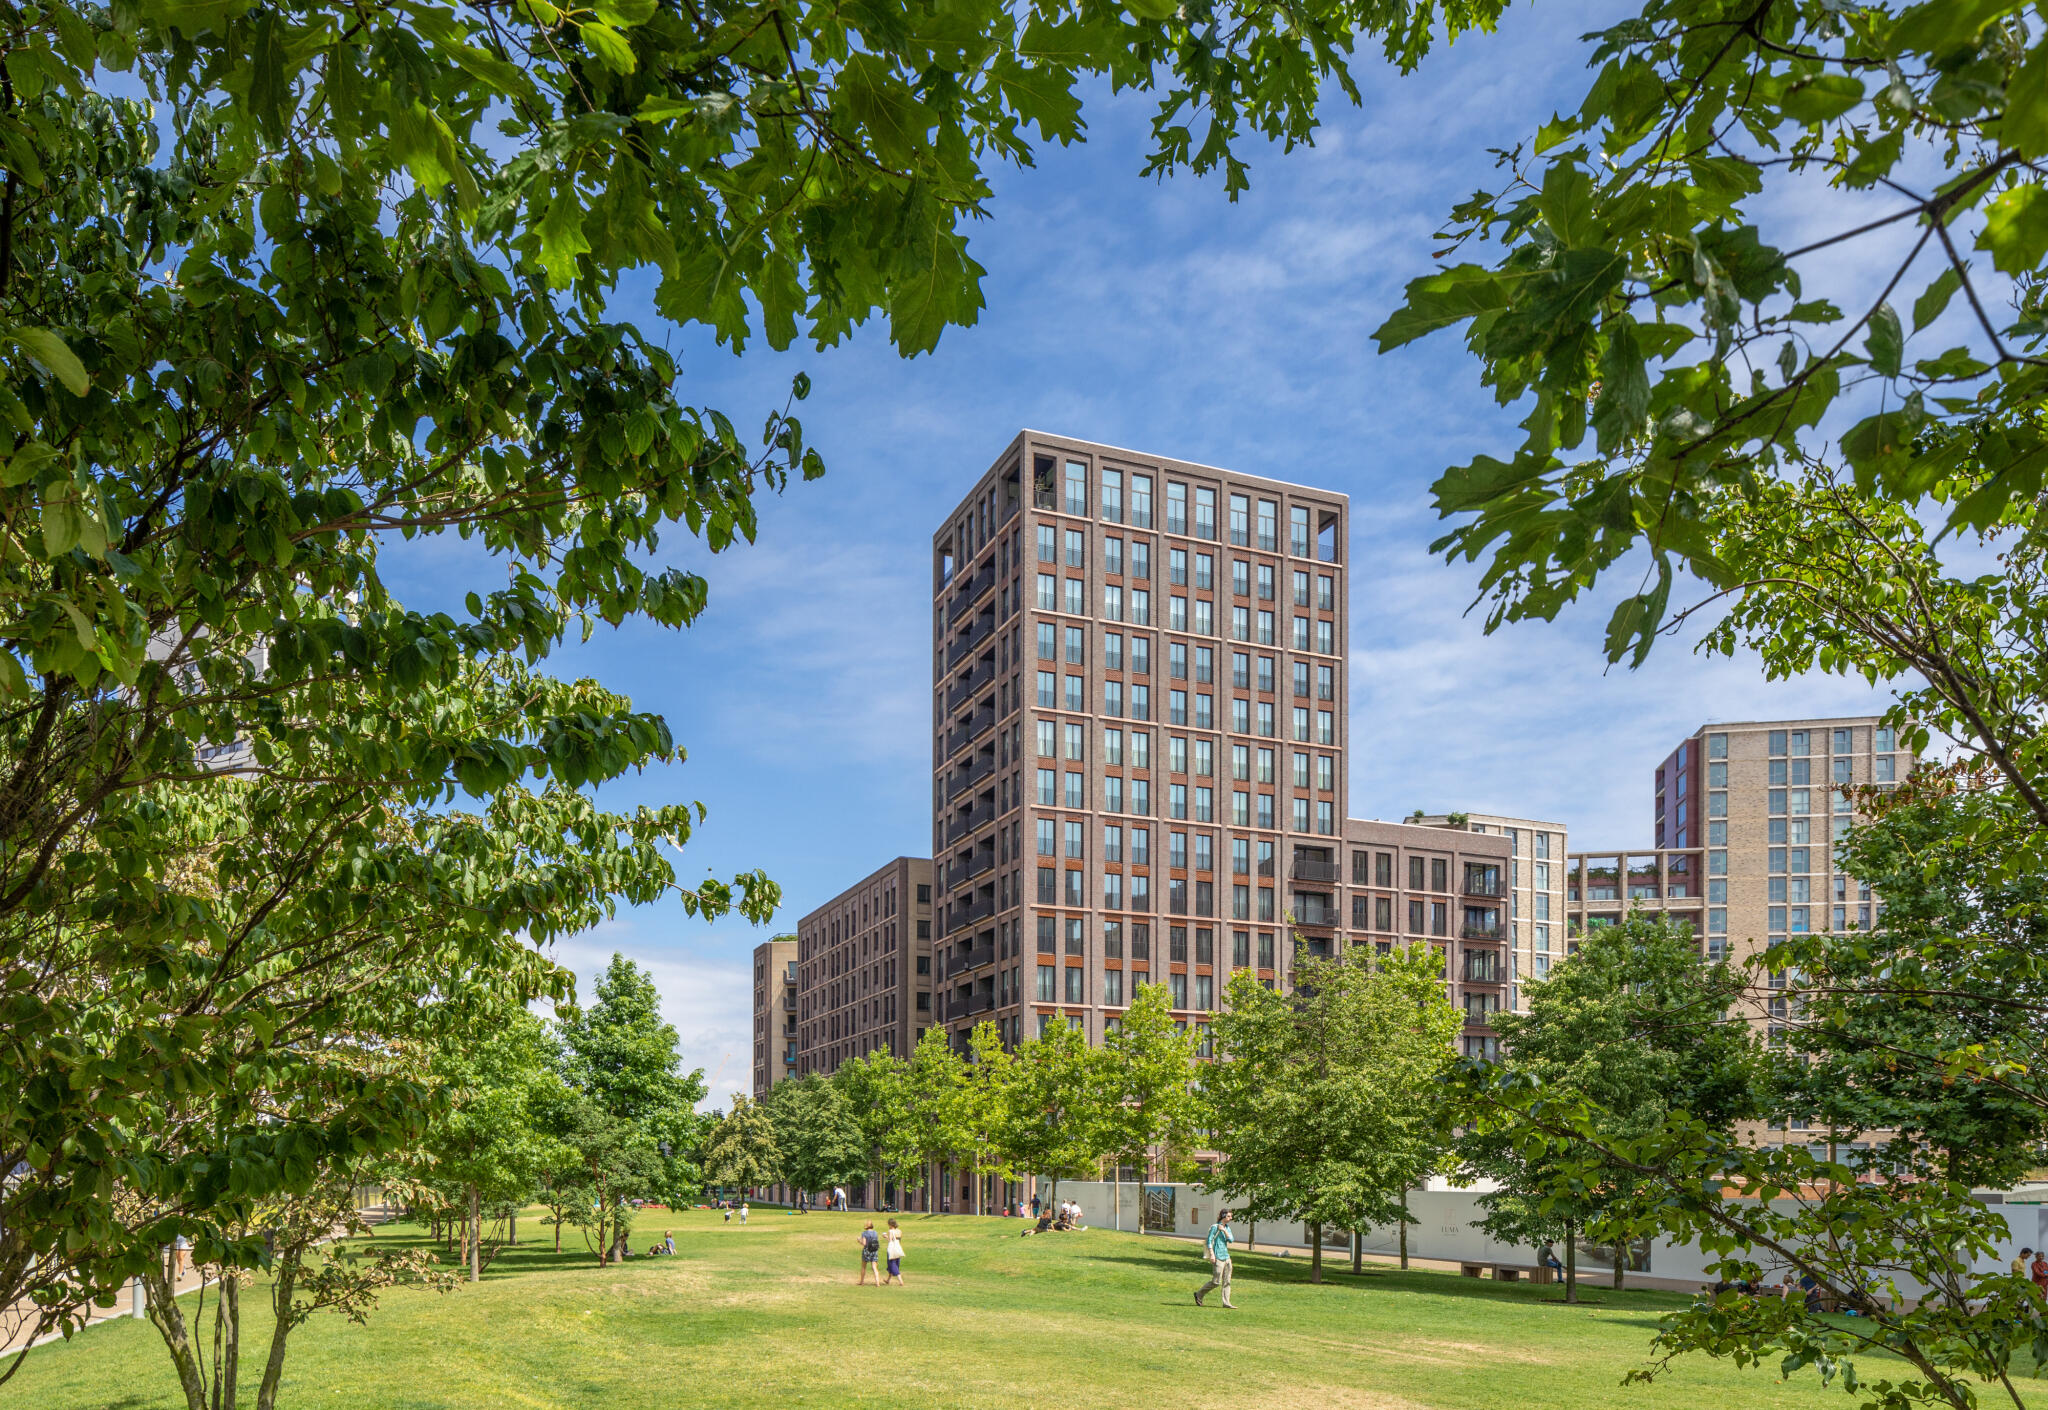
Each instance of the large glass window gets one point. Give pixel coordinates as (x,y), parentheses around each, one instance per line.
(1077,487)
(1113,495)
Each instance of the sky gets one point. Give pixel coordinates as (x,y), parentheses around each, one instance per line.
(1161,317)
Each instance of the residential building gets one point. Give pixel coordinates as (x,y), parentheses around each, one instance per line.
(1412,882)
(1769,800)
(1602,887)
(1535,891)
(1138,733)
(775,1025)
(864,968)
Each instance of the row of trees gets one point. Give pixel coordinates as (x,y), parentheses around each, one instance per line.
(1054,1107)
(1323,1105)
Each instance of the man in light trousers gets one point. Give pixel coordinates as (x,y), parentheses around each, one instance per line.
(1219,1261)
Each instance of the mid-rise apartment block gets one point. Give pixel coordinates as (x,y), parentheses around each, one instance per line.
(864,968)
(775,1025)
(1535,890)
(1448,887)
(1746,820)
(1138,733)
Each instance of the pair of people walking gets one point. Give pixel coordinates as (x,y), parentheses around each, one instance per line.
(872,1248)
(1218,1244)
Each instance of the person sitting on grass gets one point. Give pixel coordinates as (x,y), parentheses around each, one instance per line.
(1044,1223)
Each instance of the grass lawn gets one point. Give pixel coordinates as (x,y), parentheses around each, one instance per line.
(768,1316)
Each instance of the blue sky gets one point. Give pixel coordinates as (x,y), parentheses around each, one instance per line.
(1164,318)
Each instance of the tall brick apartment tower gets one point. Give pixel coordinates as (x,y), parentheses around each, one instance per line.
(1138,733)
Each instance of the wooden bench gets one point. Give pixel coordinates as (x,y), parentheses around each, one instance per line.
(1506,1272)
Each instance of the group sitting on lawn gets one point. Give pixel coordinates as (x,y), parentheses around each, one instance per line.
(1067,1216)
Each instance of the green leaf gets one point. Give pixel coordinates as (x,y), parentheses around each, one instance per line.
(56,358)
(2025,126)
(561,236)
(883,106)
(2016,230)
(1886,344)
(1934,298)
(1624,400)
(1821,98)
(1439,300)
(1153,9)
(626,13)
(609,46)
(1567,204)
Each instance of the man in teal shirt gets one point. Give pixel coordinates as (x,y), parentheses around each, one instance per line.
(1219,1260)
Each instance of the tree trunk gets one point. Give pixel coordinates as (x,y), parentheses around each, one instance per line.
(1315,1257)
(1620,1263)
(512,1226)
(281,1306)
(558,1230)
(1404,1231)
(164,1311)
(227,1339)
(1571,1263)
(1357,1251)
(476,1234)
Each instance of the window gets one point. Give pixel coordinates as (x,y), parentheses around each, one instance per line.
(1046,995)
(1301,724)
(1881,740)
(1141,799)
(1077,596)
(1141,655)
(1177,984)
(1048,639)
(1176,508)
(1141,501)
(1776,743)
(1205,513)
(1141,559)
(1076,798)
(1113,747)
(1077,693)
(1141,749)
(1077,646)
(1077,487)
(1176,613)
(1415,917)
(1205,665)
(1266,629)
(1266,593)
(1046,844)
(1048,690)
(1326,593)
(1112,601)
(1266,719)
(1266,811)
(1269,525)
(1326,683)
(1240,578)
(1048,551)
(1113,556)
(1177,566)
(1241,948)
(1048,593)
(1076,745)
(1076,894)
(1205,572)
(1141,608)
(1112,794)
(1883,769)
(1298,537)
(1113,496)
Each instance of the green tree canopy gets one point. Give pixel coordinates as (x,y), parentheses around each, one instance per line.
(1058,1108)
(817,1140)
(741,1152)
(1321,1097)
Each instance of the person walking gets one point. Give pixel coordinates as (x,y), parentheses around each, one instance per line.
(181,1250)
(727,1207)
(870,1248)
(743,1214)
(1219,1261)
(2039,1270)
(895,1252)
(1034,1206)
(2019,1265)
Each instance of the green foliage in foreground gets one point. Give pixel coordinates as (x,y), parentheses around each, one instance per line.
(767,1317)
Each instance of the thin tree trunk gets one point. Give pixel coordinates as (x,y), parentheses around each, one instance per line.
(476,1235)
(1620,1263)
(281,1307)
(512,1226)
(227,1337)
(1571,1263)
(1404,1231)
(1315,1257)
(163,1310)
(1357,1251)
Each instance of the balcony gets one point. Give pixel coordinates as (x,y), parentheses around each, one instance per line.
(964,916)
(977,725)
(1481,932)
(971,591)
(967,822)
(1310,869)
(964,960)
(962,782)
(964,689)
(979,1003)
(969,644)
(1479,886)
(958,873)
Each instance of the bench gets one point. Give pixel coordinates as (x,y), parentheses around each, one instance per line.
(1505,1272)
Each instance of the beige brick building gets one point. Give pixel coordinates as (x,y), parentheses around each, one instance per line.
(775,1026)
(864,968)
(1535,890)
